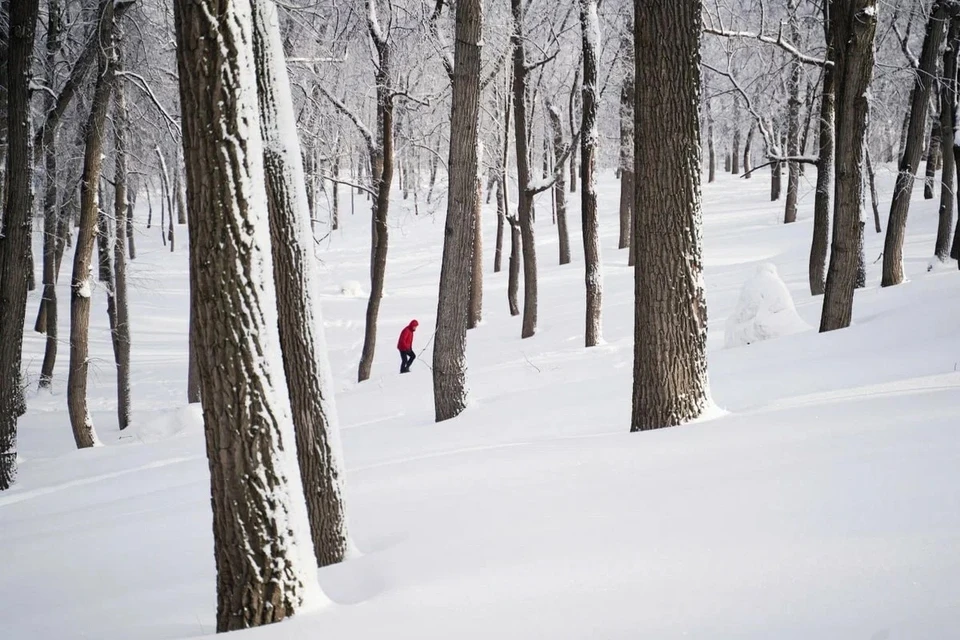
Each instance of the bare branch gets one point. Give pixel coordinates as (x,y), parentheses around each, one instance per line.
(779,41)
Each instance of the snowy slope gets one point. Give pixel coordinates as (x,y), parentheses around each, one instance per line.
(825,502)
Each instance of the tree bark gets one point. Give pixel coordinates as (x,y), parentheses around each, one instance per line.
(47,319)
(104,239)
(513,278)
(933,152)
(793,117)
(80,420)
(456,271)
(15,228)
(711,149)
(382,164)
(821,202)
(525,204)
(670,319)
(900,207)
(747,148)
(735,166)
(560,186)
(265,565)
(948,95)
(476,281)
(626,160)
(302,340)
(852,31)
(589,138)
(874,198)
(117,297)
(571,114)
(503,208)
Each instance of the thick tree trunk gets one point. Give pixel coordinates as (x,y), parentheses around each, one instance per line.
(302,340)
(776,180)
(178,188)
(948,95)
(265,565)
(852,32)
(821,201)
(793,117)
(626,160)
(589,138)
(900,207)
(456,271)
(525,204)
(476,281)
(670,320)
(47,319)
(382,162)
(193,372)
(81,285)
(560,186)
(15,228)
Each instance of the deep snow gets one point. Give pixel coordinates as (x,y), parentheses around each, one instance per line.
(824,504)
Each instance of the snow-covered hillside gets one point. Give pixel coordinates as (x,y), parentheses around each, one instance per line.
(823,501)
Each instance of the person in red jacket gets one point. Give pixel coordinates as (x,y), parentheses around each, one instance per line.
(405,346)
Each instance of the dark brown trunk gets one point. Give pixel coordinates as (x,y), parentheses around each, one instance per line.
(948,95)
(463,198)
(747,148)
(900,207)
(852,29)
(513,268)
(626,160)
(933,158)
(560,186)
(120,315)
(793,117)
(821,202)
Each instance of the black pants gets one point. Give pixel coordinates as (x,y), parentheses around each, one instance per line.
(406,359)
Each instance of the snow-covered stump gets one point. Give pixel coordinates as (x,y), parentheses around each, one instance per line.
(764,310)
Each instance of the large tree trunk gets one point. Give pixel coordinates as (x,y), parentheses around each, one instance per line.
(382,162)
(948,95)
(854,24)
(793,117)
(560,186)
(15,228)
(309,380)
(456,271)
(589,138)
(476,281)
(81,284)
(670,319)
(525,204)
(626,160)
(821,201)
(265,565)
(117,296)
(900,207)
(47,319)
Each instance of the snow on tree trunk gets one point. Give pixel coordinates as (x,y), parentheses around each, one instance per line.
(589,139)
(793,116)
(80,420)
(15,227)
(913,148)
(670,318)
(456,271)
(948,96)
(309,379)
(852,34)
(764,310)
(560,186)
(817,271)
(266,569)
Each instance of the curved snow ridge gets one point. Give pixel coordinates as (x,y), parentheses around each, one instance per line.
(43,491)
(909,386)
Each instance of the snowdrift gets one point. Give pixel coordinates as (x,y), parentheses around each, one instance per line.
(764,310)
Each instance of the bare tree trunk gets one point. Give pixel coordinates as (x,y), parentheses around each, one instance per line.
(933,154)
(589,138)
(83,430)
(503,209)
(776,178)
(513,280)
(852,33)
(525,205)
(117,297)
(104,242)
(335,191)
(47,319)
(747,148)
(900,207)
(178,188)
(476,281)
(735,167)
(560,186)
(302,340)
(821,203)
(571,114)
(626,160)
(15,227)
(670,319)
(793,117)
(874,199)
(501,220)
(450,349)
(434,161)
(131,202)
(382,164)
(948,95)
(193,372)
(711,150)
(265,565)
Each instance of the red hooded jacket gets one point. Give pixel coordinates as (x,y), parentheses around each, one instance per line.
(405,343)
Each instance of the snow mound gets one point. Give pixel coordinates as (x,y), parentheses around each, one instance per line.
(180,421)
(352,289)
(764,310)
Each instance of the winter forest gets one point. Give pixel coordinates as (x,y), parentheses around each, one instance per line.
(582,222)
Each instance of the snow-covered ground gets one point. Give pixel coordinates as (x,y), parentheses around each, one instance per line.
(825,502)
